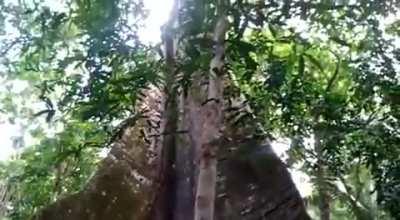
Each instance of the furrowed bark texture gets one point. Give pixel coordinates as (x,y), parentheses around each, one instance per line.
(252,182)
(211,127)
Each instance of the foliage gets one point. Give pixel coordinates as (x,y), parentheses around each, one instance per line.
(55,166)
(308,69)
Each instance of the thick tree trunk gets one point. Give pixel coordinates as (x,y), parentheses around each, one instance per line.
(253,184)
(156,181)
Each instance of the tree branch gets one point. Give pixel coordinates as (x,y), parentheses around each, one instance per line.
(335,74)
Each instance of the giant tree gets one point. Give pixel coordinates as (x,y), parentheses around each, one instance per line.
(189,121)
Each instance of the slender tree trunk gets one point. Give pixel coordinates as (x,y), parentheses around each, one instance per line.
(4,197)
(212,125)
(361,210)
(324,197)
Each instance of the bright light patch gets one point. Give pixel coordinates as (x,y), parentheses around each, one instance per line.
(7,131)
(300,179)
(302,182)
(159,12)
(280,147)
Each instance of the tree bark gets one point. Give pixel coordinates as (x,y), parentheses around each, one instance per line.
(184,180)
(323,191)
(164,204)
(253,184)
(212,125)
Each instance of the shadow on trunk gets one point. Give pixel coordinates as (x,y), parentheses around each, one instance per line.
(252,184)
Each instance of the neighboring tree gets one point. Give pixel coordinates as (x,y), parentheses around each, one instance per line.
(188,122)
(318,88)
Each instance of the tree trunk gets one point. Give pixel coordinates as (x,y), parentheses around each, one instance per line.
(323,191)
(4,199)
(211,125)
(253,184)
(163,207)
(156,181)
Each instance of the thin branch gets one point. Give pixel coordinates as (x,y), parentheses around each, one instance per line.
(350,194)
